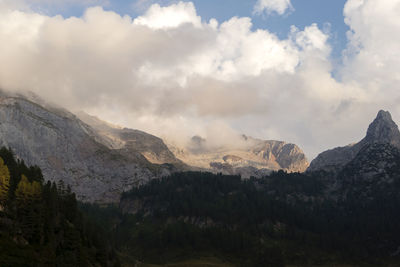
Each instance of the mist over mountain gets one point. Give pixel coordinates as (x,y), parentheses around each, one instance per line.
(131,141)
(242,155)
(345,214)
(246,156)
(100,160)
(69,150)
(342,212)
(179,133)
(258,190)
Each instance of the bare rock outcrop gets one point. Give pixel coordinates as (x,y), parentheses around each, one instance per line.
(151,147)
(67,149)
(383,130)
(250,157)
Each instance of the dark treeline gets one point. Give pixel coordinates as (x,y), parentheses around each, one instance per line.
(282,219)
(40,224)
(277,220)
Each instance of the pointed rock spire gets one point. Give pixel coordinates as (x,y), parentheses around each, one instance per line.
(383,130)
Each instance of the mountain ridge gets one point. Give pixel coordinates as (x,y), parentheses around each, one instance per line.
(150,146)
(67,149)
(253,157)
(382,130)
(248,157)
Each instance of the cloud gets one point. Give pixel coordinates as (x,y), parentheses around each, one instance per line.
(272,6)
(11,5)
(143,5)
(186,76)
(372,56)
(158,17)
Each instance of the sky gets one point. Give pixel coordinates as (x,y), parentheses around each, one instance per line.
(325,13)
(310,72)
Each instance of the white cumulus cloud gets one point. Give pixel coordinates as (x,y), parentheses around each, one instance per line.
(373,55)
(158,17)
(272,6)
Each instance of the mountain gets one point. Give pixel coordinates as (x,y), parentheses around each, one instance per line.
(247,157)
(344,213)
(69,150)
(253,157)
(375,169)
(131,141)
(383,130)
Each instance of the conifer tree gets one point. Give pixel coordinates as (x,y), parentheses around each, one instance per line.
(4,182)
(23,190)
(35,191)
(47,218)
(28,195)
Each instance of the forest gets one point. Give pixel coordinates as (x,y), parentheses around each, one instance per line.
(296,219)
(40,223)
(282,219)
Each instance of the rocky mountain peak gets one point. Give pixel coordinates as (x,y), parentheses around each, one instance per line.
(246,156)
(383,130)
(69,150)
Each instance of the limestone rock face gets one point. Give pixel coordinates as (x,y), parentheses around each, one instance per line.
(131,141)
(374,172)
(250,157)
(289,157)
(334,159)
(67,149)
(375,163)
(383,130)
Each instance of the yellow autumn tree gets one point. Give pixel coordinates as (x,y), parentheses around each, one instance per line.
(4,182)
(27,191)
(29,211)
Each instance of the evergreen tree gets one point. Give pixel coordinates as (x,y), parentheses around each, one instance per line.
(4,182)
(46,220)
(23,190)
(30,211)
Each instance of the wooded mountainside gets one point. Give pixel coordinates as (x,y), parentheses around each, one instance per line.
(314,218)
(40,224)
(277,220)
